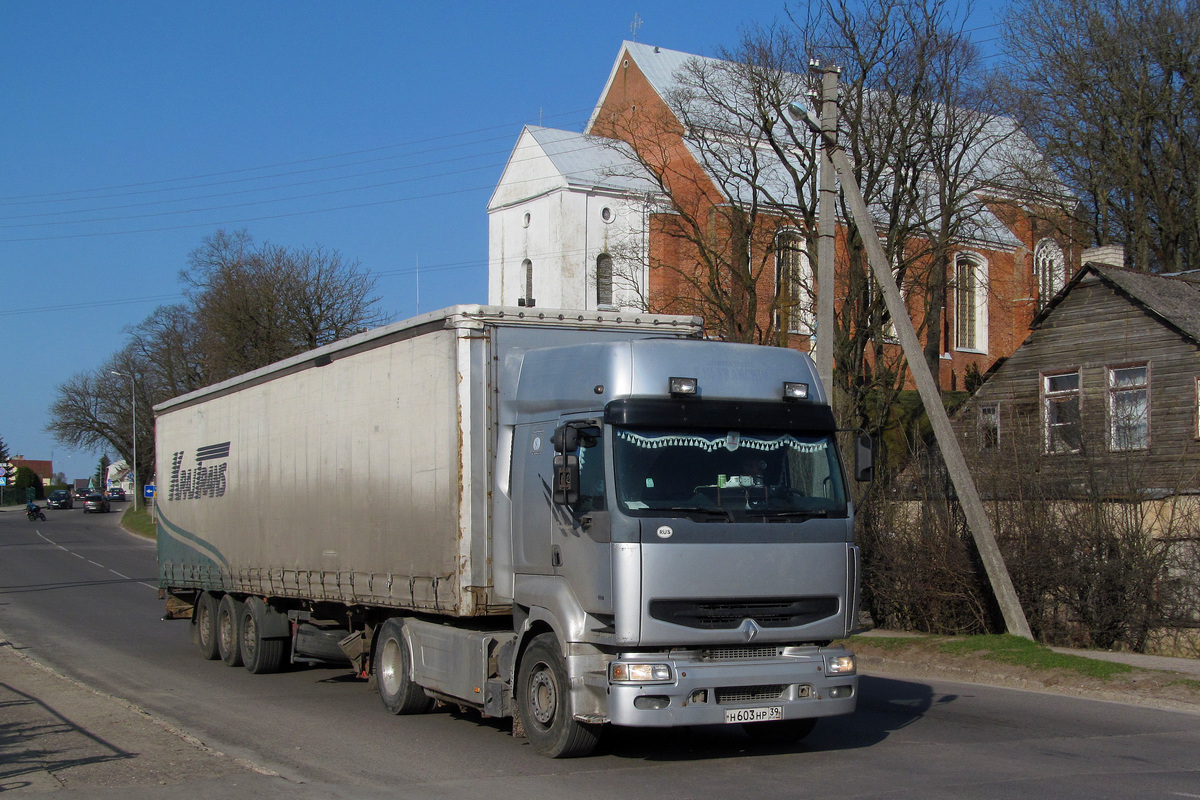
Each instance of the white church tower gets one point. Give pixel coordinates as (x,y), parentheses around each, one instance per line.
(568,225)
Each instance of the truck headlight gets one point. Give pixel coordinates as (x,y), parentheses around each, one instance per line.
(840,665)
(621,672)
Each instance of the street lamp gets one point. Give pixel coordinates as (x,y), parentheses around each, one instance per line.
(133,406)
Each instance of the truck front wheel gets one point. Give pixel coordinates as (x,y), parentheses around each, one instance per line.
(393,672)
(204,626)
(229,635)
(544,702)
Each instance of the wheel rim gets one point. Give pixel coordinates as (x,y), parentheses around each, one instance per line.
(389,671)
(204,623)
(543,694)
(249,637)
(225,637)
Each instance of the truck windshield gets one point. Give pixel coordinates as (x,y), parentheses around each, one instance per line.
(728,474)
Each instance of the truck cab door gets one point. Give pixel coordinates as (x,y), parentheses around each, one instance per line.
(532,477)
(580,546)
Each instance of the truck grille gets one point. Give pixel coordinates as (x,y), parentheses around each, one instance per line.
(748,694)
(767,612)
(731,653)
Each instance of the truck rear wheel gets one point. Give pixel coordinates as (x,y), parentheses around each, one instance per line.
(204,626)
(229,620)
(260,654)
(544,702)
(393,672)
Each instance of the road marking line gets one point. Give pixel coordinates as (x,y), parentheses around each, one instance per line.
(94,563)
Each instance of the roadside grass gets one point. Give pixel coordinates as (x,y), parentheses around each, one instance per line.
(139,522)
(1003,648)
(1015,650)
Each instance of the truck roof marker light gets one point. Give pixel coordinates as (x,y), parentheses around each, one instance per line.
(683,387)
(795,391)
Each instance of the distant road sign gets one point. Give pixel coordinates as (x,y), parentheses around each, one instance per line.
(148,490)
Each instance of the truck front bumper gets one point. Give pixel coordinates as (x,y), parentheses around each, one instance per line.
(715,692)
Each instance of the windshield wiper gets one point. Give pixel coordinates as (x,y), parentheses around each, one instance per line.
(809,514)
(720,512)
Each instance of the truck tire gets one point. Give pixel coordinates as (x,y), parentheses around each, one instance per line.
(229,621)
(260,655)
(204,626)
(780,732)
(544,702)
(393,672)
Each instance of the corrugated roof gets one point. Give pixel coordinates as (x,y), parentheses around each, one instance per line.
(589,161)
(662,68)
(1175,300)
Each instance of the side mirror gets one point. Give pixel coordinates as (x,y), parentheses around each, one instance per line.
(565,439)
(566,478)
(864,457)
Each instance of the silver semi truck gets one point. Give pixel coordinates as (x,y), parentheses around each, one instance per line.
(567,518)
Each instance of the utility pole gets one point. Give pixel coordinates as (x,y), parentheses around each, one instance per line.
(956,465)
(826,222)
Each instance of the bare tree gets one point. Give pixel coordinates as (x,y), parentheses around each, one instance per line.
(711,209)
(1110,90)
(257,305)
(921,122)
(249,307)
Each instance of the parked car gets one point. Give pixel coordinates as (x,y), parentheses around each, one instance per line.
(95,502)
(60,498)
(116,494)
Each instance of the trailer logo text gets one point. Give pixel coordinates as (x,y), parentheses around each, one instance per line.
(202,480)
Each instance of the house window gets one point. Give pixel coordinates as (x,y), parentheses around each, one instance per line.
(887,327)
(970,303)
(1060,412)
(1129,407)
(793,284)
(1049,266)
(604,280)
(989,426)
(527,268)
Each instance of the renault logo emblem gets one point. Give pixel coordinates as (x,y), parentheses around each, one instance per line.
(750,629)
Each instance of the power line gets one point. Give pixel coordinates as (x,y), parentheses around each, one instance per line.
(158,298)
(441,138)
(282,215)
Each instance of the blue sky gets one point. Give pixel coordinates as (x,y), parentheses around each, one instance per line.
(132,130)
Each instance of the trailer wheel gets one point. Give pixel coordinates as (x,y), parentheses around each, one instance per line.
(781,731)
(259,655)
(229,620)
(204,626)
(544,702)
(393,672)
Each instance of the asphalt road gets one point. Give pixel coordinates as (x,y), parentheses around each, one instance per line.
(77,593)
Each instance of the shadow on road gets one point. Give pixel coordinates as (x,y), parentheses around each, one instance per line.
(36,740)
(884,705)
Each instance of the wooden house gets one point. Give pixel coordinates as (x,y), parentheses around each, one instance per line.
(1102,397)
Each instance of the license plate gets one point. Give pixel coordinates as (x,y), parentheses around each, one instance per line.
(763,714)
